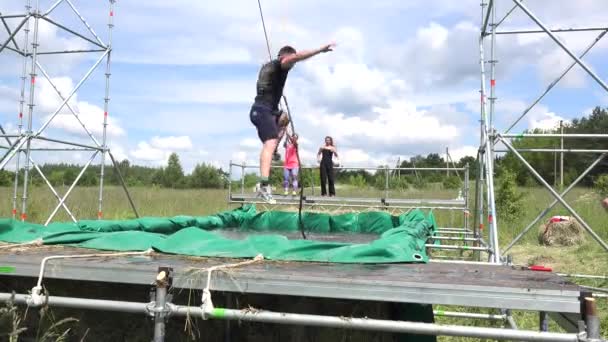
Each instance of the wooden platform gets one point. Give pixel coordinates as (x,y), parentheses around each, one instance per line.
(434,283)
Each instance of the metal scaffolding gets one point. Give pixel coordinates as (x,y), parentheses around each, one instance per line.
(20,143)
(495,140)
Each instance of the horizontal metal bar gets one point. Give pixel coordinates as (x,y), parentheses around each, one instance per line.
(456,233)
(363,168)
(59,149)
(10,135)
(490,317)
(11,16)
(555,135)
(553,150)
(588,276)
(79,303)
(295,202)
(75,33)
(450,247)
(580,29)
(301,319)
(68,143)
(383,325)
(458,261)
(67,52)
(388,202)
(453,238)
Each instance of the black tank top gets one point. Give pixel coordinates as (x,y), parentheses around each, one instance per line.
(326,159)
(271,81)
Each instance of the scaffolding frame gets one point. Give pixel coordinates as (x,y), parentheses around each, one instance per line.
(21,143)
(493,138)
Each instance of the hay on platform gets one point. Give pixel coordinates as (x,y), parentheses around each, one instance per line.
(564,233)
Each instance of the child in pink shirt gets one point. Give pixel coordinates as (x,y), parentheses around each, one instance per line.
(291,166)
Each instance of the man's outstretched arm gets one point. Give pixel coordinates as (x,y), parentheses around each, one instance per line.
(290,60)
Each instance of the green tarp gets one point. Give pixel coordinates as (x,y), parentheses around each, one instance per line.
(395,238)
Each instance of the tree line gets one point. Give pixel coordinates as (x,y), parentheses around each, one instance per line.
(207,176)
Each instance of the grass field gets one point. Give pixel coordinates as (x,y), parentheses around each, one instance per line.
(587,259)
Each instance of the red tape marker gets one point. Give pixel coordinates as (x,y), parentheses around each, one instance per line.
(493,83)
(14,211)
(23,216)
(540,268)
(99,214)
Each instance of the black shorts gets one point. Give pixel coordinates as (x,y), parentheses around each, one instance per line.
(265,121)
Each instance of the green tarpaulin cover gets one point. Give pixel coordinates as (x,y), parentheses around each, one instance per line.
(395,238)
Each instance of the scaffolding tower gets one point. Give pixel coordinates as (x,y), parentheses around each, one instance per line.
(494,140)
(22,143)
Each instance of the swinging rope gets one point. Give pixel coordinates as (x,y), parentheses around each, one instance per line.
(293,130)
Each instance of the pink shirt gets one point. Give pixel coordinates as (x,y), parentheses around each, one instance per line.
(291,159)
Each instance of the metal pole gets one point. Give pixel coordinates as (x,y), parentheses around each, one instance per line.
(30,113)
(548,209)
(492,65)
(242,179)
(386,183)
(447,162)
(452,247)
(558,42)
(554,83)
(467,211)
(484,27)
(561,155)
(123,184)
(302,319)
(230,180)
(492,220)
(551,150)
(490,317)
(52,8)
(28,9)
(543,321)
(75,33)
(159,307)
(555,194)
(555,135)
(105,106)
(592,320)
(582,29)
(383,325)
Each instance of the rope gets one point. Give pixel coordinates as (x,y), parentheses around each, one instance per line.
(37,298)
(293,129)
(265,33)
(207,303)
(37,242)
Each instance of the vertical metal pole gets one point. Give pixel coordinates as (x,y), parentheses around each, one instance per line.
(466,197)
(561,155)
(230,180)
(163,280)
(30,113)
(243,179)
(492,64)
(386,183)
(543,321)
(28,10)
(312,180)
(447,162)
(492,220)
(105,109)
(592,320)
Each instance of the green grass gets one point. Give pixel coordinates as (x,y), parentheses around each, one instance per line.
(588,258)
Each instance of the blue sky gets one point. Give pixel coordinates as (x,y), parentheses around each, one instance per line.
(403,80)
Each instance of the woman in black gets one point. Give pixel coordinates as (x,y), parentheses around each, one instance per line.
(326,152)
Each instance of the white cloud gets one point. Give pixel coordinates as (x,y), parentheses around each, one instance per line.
(250,143)
(546,121)
(463,151)
(180,143)
(147,153)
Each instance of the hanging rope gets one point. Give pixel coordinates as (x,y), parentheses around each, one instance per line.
(293,130)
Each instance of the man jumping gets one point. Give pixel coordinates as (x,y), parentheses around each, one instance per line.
(265,114)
